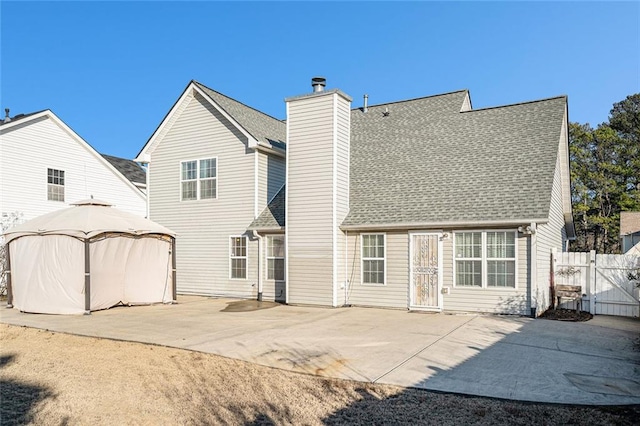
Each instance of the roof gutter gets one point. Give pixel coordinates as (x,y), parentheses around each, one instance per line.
(443,224)
(267,147)
(273,230)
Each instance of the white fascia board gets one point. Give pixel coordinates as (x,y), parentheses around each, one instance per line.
(95,153)
(144,155)
(26,120)
(213,103)
(565,177)
(444,224)
(267,147)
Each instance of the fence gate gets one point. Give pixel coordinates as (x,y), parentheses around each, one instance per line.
(604,279)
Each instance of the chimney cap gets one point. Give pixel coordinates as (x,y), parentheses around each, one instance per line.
(6,118)
(318,84)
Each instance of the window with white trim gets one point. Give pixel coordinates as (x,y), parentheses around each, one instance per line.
(198,179)
(485,259)
(55,185)
(275,257)
(238,257)
(373,258)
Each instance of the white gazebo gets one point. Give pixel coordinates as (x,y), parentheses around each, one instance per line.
(88,257)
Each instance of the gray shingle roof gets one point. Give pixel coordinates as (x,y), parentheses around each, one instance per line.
(427,162)
(261,126)
(272,217)
(130,169)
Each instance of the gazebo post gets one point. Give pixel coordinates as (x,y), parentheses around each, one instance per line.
(87,278)
(173,270)
(8,272)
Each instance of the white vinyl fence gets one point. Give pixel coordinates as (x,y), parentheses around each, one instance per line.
(605,280)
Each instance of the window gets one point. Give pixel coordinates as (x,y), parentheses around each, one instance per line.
(198,179)
(238,257)
(485,259)
(373,261)
(275,257)
(469,259)
(501,259)
(55,185)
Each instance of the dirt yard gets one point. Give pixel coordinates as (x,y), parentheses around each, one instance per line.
(53,379)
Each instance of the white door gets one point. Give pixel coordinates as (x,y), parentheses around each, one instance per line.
(426,271)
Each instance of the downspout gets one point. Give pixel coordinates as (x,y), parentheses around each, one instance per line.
(534,269)
(346,267)
(9,286)
(259,238)
(174,279)
(148,188)
(87,277)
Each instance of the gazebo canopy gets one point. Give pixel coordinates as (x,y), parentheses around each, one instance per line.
(85,220)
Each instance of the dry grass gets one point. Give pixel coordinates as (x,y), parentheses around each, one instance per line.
(54,378)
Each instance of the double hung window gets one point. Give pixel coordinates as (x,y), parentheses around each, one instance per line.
(199,179)
(55,185)
(485,259)
(275,257)
(373,258)
(238,257)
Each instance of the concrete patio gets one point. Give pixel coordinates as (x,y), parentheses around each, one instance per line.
(595,362)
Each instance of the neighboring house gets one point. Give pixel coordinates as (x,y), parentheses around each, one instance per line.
(129,169)
(629,230)
(45,166)
(422,204)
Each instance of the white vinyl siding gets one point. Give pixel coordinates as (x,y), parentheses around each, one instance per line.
(395,292)
(506,300)
(548,236)
(238,258)
(485,259)
(199,131)
(316,204)
(55,185)
(27,155)
(275,257)
(373,258)
(271,178)
(198,179)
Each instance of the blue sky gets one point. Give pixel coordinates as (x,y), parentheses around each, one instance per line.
(112,70)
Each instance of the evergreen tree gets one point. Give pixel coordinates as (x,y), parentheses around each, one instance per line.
(605,176)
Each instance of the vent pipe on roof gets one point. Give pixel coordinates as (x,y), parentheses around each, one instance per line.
(318,84)
(6,112)
(366,102)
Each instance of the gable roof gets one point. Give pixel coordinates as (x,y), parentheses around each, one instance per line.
(262,130)
(273,216)
(129,168)
(629,223)
(428,163)
(261,126)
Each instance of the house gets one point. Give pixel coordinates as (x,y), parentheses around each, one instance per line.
(45,166)
(129,169)
(424,204)
(629,231)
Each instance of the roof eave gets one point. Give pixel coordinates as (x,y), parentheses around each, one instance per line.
(267,229)
(267,147)
(443,224)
